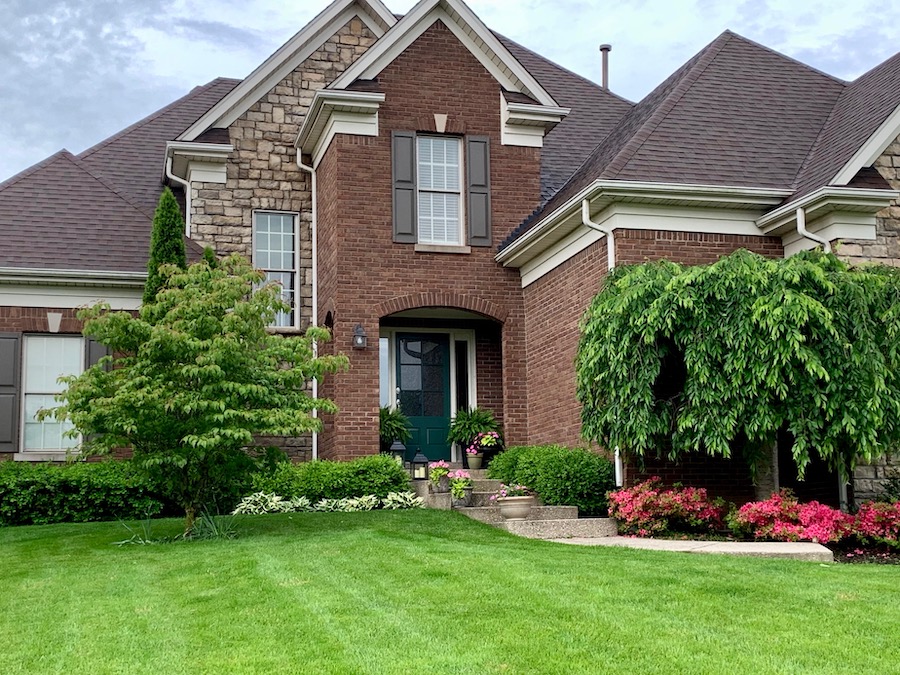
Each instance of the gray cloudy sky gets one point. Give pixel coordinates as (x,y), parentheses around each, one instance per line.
(72,72)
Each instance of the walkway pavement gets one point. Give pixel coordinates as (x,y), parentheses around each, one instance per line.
(760,549)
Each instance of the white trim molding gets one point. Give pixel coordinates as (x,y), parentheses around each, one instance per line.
(468,28)
(871,149)
(526,124)
(826,200)
(204,162)
(337,112)
(373,13)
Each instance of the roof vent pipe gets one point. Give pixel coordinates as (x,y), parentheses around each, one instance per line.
(803,232)
(604,56)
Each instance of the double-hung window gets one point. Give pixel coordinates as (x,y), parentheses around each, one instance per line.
(275,252)
(46,359)
(440,190)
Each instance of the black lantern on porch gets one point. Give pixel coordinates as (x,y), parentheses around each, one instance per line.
(418,467)
(397,451)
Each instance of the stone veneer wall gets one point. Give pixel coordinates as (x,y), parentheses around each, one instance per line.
(868,480)
(262,174)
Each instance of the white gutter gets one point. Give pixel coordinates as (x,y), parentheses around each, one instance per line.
(314,319)
(608,231)
(187,195)
(610,264)
(803,232)
(75,277)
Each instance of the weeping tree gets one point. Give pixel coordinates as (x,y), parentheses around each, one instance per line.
(195,378)
(718,359)
(166,243)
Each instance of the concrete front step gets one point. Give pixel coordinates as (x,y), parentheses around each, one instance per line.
(561,528)
(491,514)
(485,485)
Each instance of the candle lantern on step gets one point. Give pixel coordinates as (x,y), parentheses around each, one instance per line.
(418,467)
(397,451)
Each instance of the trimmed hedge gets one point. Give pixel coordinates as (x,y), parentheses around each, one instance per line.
(560,476)
(39,494)
(376,475)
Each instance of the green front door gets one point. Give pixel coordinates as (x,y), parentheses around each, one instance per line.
(423,384)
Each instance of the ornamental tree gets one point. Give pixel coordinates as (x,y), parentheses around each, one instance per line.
(166,243)
(718,358)
(195,378)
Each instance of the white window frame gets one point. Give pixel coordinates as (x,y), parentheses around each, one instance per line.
(461,192)
(43,454)
(295,303)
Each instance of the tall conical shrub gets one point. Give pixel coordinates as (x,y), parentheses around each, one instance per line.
(166,243)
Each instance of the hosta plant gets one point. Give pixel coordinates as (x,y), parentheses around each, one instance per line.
(402,500)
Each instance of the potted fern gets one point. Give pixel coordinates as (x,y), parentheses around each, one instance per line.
(393,425)
(468,428)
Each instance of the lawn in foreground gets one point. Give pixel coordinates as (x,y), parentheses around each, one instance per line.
(424,591)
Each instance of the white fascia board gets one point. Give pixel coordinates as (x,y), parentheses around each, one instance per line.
(832,226)
(343,123)
(325,102)
(286,59)
(605,191)
(871,150)
(827,198)
(536,115)
(468,28)
(207,172)
(54,277)
(70,297)
(184,153)
(526,125)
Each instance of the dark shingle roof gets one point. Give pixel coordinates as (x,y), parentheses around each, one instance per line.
(132,159)
(736,114)
(58,215)
(594,113)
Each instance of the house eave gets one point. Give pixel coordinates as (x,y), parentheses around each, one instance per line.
(823,201)
(71,277)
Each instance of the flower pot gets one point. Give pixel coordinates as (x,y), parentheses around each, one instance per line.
(515,508)
(443,484)
(474,461)
(466,498)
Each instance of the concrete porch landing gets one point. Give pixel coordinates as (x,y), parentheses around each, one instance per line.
(758,549)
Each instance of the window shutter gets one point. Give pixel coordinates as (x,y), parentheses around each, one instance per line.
(404,177)
(9,392)
(478,189)
(93,352)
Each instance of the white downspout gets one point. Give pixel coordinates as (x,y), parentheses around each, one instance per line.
(803,232)
(187,195)
(610,264)
(314,319)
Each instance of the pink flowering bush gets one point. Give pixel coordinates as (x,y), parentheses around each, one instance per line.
(783,518)
(650,508)
(485,439)
(879,523)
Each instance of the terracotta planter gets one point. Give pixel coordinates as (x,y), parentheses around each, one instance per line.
(474,461)
(466,498)
(443,484)
(515,508)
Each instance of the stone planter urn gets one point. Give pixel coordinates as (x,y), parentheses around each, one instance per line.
(466,499)
(515,508)
(475,461)
(443,484)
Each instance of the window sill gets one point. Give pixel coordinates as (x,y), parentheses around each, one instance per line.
(441,248)
(43,456)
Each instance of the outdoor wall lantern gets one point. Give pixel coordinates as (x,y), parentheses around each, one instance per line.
(418,467)
(397,451)
(359,337)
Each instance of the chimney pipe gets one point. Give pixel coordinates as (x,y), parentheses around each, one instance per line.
(604,78)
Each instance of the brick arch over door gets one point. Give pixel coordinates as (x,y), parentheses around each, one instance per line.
(447,299)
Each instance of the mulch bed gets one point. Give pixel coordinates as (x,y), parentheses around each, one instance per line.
(870,554)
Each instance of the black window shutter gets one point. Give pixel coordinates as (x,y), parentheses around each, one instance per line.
(404,177)
(9,391)
(478,188)
(93,352)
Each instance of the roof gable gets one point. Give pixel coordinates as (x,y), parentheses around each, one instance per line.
(286,59)
(468,28)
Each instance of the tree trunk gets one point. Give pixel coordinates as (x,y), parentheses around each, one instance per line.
(190,517)
(766,482)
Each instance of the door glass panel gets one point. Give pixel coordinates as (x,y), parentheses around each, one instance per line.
(410,377)
(433,404)
(385,395)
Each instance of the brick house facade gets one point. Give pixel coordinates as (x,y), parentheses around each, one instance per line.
(425,181)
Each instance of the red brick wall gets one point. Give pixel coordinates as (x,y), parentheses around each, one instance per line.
(361,269)
(34,320)
(726,478)
(689,248)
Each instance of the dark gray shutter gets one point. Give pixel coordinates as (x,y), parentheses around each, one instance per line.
(93,352)
(404,176)
(478,189)
(9,391)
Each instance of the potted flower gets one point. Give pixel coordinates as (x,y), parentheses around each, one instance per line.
(476,449)
(460,487)
(438,475)
(465,427)
(515,501)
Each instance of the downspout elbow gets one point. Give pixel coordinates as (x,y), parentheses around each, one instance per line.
(187,195)
(608,231)
(803,232)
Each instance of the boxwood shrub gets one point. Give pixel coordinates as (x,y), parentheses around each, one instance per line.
(560,476)
(37,494)
(376,475)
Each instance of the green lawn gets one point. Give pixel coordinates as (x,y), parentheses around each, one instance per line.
(429,592)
